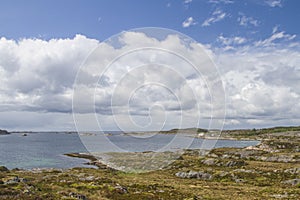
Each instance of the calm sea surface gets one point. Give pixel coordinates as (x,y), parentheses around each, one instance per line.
(46,149)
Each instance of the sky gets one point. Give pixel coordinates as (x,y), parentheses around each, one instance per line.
(253,43)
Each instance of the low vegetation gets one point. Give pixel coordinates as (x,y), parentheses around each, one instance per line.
(270,170)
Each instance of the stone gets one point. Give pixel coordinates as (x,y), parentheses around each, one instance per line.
(235,163)
(239,180)
(120,189)
(194,174)
(209,161)
(292,182)
(77,196)
(293,170)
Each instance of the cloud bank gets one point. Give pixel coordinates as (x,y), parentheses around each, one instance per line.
(261,79)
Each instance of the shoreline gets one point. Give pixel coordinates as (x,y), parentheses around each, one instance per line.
(269,170)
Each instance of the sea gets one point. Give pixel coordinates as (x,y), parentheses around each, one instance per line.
(47,149)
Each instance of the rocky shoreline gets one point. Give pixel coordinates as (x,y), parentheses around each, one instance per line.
(270,170)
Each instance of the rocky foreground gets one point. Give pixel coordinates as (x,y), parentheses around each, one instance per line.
(270,170)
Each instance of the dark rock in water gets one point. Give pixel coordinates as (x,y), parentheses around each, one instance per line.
(235,163)
(4,132)
(3,169)
(194,174)
(292,182)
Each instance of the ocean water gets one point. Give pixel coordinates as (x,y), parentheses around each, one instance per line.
(46,149)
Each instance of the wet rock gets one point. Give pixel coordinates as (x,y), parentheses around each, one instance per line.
(292,182)
(194,174)
(235,163)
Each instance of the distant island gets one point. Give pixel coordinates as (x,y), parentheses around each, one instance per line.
(4,132)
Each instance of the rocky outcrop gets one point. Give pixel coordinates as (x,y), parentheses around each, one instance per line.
(292,182)
(194,174)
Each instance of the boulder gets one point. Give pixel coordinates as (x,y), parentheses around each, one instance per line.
(210,161)
(194,174)
(292,182)
(235,163)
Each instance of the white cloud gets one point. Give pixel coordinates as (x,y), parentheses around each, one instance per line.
(274,3)
(189,22)
(216,16)
(275,37)
(221,1)
(262,82)
(39,75)
(229,41)
(246,21)
(188,1)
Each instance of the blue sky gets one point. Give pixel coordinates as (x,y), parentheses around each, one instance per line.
(101,19)
(254,43)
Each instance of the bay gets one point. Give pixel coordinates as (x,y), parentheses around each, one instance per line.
(47,149)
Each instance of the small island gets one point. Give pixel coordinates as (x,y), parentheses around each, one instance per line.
(4,132)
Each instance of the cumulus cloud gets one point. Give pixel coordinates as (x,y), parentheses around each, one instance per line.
(188,22)
(38,74)
(216,16)
(262,82)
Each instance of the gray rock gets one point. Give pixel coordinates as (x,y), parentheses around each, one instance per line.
(235,163)
(293,170)
(209,161)
(194,174)
(292,182)
(120,189)
(77,196)
(245,170)
(239,180)
(16,180)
